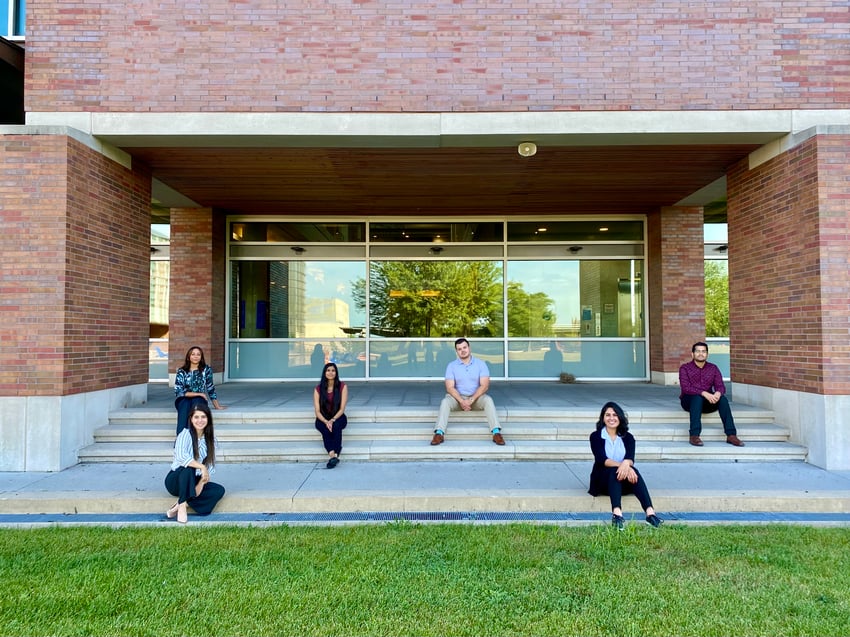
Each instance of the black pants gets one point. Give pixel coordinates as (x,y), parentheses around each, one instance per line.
(697,405)
(617,489)
(182,482)
(332,439)
(184,406)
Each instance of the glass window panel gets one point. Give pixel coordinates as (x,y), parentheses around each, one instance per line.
(159,290)
(575,298)
(404,358)
(158,359)
(285,232)
(716,297)
(424,299)
(718,353)
(400,358)
(436,232)
(295,299)
(543,298)
(536,359)
(606,359)
(20,17)
(301,359)
(575,230)
(598,359)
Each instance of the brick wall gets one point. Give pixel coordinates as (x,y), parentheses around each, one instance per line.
(789,236)
(74,255)
(438,56)
(676,285)
(197,291)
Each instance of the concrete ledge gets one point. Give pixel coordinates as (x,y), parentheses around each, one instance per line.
(432,486)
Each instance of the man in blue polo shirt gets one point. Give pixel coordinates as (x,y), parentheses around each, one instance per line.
(467,382)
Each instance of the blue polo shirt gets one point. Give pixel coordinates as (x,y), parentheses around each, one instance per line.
(467,378)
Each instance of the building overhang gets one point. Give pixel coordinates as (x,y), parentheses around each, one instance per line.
(415,164)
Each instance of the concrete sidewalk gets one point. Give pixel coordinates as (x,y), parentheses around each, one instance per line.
(432,490)
(478,492)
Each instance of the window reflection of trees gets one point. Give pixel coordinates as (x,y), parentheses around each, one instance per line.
(433,298)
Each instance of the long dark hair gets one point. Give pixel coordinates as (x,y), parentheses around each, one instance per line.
(623,427)
(209,435)
(322,388)
(187,364)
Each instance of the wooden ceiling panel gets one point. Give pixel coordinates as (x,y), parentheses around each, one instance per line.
(443,181)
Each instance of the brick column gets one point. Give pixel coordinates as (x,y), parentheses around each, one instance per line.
(74,255)
(197,291)
(789,242)
(676,286)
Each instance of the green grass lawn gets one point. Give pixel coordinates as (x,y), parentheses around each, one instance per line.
(407,579)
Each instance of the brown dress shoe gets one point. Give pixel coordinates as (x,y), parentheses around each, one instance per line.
(497,438)
(695,441)
(734,440)
(437,439)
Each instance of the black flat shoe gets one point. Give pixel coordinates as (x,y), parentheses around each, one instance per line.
(332,463)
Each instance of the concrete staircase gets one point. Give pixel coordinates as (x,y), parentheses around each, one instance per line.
(395,433)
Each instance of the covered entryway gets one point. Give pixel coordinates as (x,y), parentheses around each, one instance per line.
(665,170)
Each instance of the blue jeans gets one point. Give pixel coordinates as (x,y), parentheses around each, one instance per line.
(697,406)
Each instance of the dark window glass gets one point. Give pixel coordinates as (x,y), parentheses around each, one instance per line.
(284,232)
(436,232)
(575,231)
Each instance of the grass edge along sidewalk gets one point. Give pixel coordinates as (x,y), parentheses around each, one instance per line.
(401,578)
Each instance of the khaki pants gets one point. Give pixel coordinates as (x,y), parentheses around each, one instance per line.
(485,403)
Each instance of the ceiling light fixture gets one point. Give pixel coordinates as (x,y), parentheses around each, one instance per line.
(527,149)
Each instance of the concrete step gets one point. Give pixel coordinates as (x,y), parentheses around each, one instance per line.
(531,415)
(387,450)
(295,432)
(395,433)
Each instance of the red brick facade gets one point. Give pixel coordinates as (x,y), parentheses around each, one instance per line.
(676,286)
(789,237)
(438,56)
(197,290)
(74,253)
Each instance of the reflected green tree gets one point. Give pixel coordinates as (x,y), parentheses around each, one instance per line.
(529,315)
(433,298)
(716,298)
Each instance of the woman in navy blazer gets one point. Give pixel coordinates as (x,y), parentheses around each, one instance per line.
(614,470)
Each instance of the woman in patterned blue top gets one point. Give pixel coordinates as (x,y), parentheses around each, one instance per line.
(194,461)
(194,383)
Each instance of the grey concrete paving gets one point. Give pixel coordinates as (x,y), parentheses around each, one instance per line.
(756,492)
(461,491)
